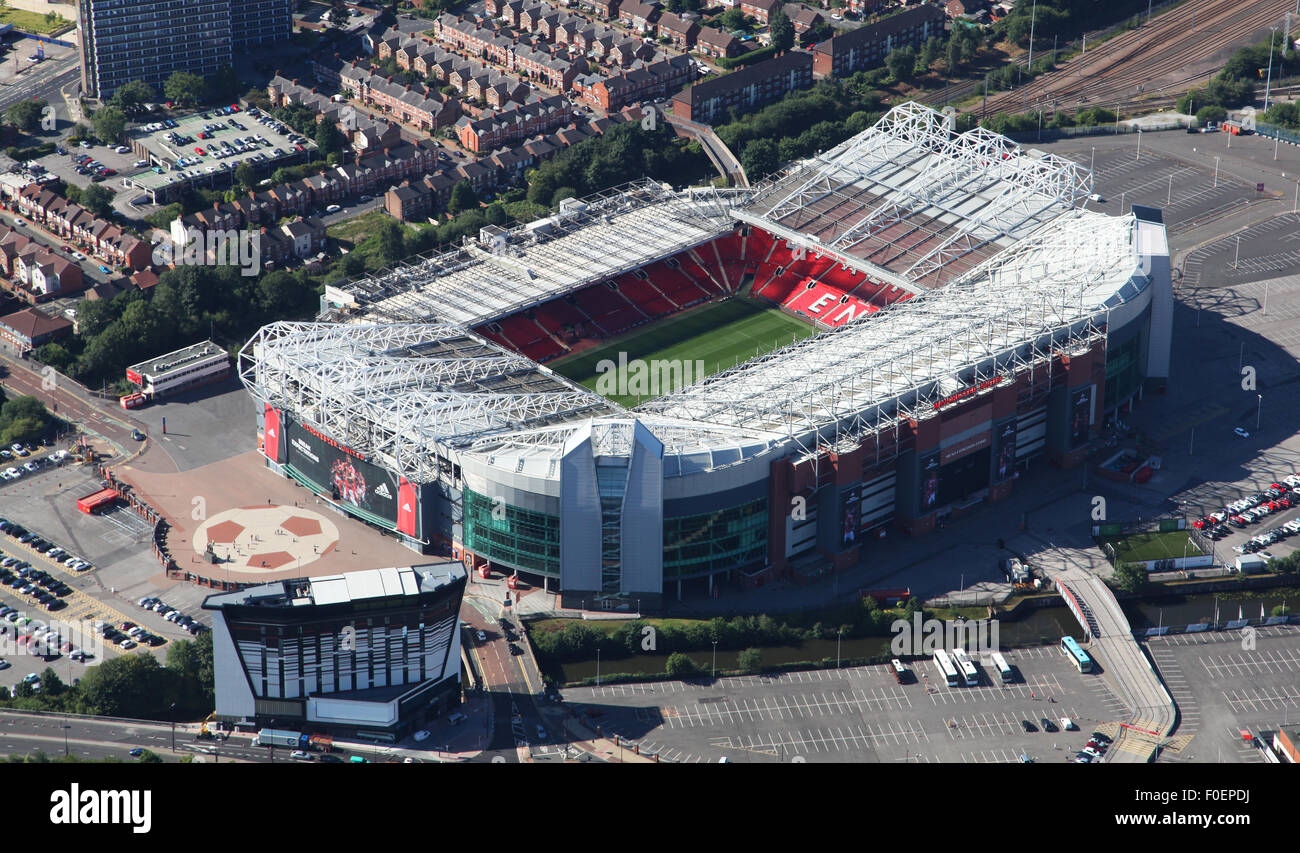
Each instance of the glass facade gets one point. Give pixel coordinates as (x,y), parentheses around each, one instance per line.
(612,482)
(695,545)
(515,537)
(1123,370)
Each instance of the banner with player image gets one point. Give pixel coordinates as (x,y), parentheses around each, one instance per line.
(1004,465)
(348,479)
(929,493)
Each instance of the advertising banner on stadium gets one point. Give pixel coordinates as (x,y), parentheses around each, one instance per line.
(349,479)
(850,509)
(1005,465)
(272,444)
(1080,413)
(929,493)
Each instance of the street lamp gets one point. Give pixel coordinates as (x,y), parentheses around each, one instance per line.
(1272,34)
(1216,173)
(715,658)
(172,712)
(1259,408)
(839,638)
(65,738)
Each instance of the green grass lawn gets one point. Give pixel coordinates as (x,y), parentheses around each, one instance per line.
(719,334)
(352,231)
(32,22)
(1153,546)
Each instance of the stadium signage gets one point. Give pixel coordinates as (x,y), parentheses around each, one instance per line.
(967,392)
(332,443)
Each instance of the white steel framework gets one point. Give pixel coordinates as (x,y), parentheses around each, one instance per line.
(590,241)
(416,393)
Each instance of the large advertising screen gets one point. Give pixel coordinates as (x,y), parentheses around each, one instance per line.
(929,481)
(1005,466)
(1080,412)
(350,480)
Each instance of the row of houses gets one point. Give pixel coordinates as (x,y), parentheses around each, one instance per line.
(33,271)
(301,237)
(747,88)
(643,82)
(504,128)
(867,46)
(78,226)
(425,196)
(403,103)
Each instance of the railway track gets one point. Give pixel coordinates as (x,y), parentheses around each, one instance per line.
(1172,52)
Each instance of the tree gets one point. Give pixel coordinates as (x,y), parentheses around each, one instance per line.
(930,52)
(388,241)
(246,175)
(782,30)
(495,214)
(1214,112)
(338,14)
(185,88)
(760,157)
(901,63)
(328,138)
(133,94)
(750,660)
(733,18)
(679,665)
(109,123)
(26,115)
(97,199)
(1131,577)
(463,198)
(955,55)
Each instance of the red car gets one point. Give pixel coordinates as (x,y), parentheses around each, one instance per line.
(234,108)
(109,172)
(198,150)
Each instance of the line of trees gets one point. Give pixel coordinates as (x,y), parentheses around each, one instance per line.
(134,685)
(578,641)
(188,304)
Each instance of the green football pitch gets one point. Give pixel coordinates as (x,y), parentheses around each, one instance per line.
(719,334)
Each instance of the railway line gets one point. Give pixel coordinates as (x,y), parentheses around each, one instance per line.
(1170,54)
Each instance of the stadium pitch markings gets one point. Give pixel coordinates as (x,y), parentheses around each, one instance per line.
(719,335)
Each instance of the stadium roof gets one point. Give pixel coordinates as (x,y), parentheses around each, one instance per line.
(1046,294)
(587,242)
(910,203)
(1039,279)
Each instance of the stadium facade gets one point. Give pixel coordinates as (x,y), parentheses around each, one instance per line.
(974,318)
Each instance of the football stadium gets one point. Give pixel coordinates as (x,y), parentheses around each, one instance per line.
(653,392)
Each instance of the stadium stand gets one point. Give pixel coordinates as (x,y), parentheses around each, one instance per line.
(811,287)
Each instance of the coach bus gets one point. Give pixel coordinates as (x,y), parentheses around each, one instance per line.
(901,673)
(945,666)
(1076,654)
(966,666)
(1003,669)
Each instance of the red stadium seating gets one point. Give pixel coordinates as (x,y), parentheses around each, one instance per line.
(836,296)
(825,304)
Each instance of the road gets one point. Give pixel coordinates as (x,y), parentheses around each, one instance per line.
(44,81)
(70,402)
(723,160)
(1152,710)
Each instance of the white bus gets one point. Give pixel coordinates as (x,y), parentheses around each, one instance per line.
(966,666)
(1003,669)
(945,667)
